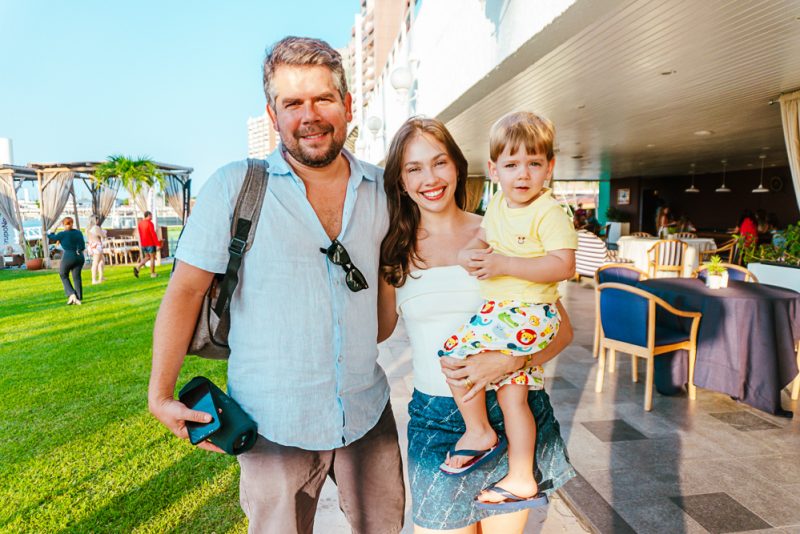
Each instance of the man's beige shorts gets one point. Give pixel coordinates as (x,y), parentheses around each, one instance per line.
(280,486)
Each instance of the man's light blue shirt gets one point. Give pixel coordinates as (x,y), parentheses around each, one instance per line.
(303,346)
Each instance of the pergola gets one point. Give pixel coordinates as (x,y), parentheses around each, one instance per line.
(11,179)
(56,184)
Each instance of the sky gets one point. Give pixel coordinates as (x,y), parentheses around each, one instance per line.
(171,80)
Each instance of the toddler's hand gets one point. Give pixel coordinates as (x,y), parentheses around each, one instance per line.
(487,264)
(467,255)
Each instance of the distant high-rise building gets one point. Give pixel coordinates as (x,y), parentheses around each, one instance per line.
(6,151)
(372,37)
(261,138)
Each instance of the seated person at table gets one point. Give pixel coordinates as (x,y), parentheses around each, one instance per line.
(592,224)
(685,225)
(747,227)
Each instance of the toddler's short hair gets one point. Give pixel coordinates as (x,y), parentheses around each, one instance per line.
(522,128)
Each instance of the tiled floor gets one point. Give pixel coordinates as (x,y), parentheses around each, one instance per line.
(710,465)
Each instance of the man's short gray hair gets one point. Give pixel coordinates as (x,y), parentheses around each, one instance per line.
(302,51)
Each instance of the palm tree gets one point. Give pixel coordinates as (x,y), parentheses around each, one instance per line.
(135,174)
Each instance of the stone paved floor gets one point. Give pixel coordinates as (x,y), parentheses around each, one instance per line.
(712,465)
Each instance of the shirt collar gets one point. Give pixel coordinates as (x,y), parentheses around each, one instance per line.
(279,166)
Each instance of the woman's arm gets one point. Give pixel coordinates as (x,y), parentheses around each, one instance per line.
(387,314)
(487,367)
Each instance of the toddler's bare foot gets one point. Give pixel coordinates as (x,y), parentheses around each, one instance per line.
(477,440)
(520,486)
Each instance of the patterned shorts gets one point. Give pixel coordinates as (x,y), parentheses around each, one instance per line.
(509,326)
(95,247)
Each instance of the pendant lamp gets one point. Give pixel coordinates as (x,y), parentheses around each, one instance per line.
(723,188)
(692,188)
(761,188)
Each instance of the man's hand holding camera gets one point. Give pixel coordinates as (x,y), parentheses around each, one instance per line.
(173,414)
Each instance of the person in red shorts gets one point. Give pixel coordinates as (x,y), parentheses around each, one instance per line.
(148,241)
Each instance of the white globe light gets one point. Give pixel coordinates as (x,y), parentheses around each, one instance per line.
(374,124)
(401,79)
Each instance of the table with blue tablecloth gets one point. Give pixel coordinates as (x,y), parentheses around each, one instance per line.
(746,344)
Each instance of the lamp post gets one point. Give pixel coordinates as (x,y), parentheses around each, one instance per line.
(402,80)
(374,125)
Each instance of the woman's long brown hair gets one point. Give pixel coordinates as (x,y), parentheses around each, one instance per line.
(399,247)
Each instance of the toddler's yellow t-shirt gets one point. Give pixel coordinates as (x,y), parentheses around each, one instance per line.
(528,232)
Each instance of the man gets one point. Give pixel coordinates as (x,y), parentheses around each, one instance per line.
(148,242)
(303,329)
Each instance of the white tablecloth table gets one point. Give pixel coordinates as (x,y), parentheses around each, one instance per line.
(635,249)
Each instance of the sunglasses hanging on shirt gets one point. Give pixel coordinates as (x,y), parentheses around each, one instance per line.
(338,255)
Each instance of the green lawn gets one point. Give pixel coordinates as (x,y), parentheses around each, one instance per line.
(79,451)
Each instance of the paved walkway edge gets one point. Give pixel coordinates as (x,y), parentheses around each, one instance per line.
(591,509)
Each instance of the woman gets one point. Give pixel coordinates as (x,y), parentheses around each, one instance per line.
(72,261)
(95,236)
(665,222)
(425,181)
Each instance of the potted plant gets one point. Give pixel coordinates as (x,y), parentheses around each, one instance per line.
(716,273)
(776,263)
(619,223)
(34,258)
(783,251)
(672,232)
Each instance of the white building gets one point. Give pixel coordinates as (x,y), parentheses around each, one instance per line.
(261,138)
(637,89)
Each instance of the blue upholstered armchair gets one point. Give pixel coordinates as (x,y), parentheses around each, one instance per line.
(628,324)
(623,273)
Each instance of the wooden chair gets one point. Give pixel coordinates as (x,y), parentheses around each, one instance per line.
(735,272)
(686,235)
(591,254)
(666,255)
(110,251)
(622,273)
(727,249)
(641,234)
(628,324)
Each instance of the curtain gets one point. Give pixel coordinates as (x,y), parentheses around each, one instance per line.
(56,187)
(103,199)
(174,193)
(790,115)
(8,200)
(141,197)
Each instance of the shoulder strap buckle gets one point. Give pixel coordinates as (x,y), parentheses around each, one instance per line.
(237,247)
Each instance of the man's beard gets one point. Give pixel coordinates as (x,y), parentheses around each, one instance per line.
(311,159)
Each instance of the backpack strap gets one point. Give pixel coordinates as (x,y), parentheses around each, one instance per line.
(243,228)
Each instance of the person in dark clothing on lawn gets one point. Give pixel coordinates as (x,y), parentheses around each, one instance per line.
(72,261)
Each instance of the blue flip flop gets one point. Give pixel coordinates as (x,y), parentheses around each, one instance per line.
(511,502)
(479,457)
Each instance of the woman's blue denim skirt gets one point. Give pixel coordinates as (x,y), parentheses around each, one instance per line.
(444,502)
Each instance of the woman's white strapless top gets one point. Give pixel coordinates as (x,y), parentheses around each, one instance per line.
(434,303)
